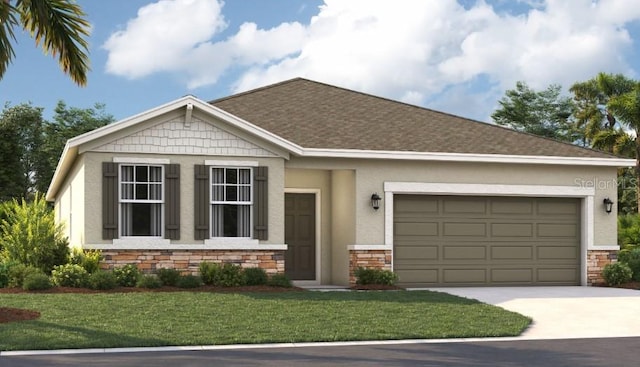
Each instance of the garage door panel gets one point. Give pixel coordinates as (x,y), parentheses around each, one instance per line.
(464,275)
(517,275)
(566,207)
(557,230)
(557,275)
(512,207)
(465,241)
(464,253)
(512,252)
(464,229)
(417,252)
(557,252)
(512,229)
(416,228)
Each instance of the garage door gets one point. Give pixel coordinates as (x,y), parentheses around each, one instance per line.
(476,241)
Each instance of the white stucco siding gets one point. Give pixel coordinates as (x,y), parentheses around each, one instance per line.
(372,174)
(93,224)
(70,205)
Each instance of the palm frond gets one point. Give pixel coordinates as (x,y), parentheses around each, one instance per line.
(7,22)
(60,28)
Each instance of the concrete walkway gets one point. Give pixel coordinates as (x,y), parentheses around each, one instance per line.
(565,312)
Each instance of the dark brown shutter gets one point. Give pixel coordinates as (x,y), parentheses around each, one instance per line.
(109,200)
(201,202)
(172,201)
(260,203)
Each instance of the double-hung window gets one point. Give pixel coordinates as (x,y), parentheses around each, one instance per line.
(141,200)
(231,202)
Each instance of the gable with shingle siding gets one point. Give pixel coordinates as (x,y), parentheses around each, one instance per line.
(317,115)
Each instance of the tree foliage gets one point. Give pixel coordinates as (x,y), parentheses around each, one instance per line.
(29,234)
(31,146)
(59,27)
(544,113)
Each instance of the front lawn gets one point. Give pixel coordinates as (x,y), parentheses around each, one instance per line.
(201,318)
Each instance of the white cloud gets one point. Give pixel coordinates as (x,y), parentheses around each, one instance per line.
(415,51)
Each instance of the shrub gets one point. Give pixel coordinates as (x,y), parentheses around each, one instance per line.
(70,275)
(168,277)
(127,275)
(36,282)
(210,273)
(149,281)
(4,275)
(279,280)
(29,234)
(255,276)
(18,272)
(616,273)
(631,257)
(231,275)
(102,280)
(189,281)
(89,260)
(366,276)
(629,231)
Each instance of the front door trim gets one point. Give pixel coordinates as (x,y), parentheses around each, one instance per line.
(318,196)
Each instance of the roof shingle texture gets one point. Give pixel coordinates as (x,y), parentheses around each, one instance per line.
(317,115)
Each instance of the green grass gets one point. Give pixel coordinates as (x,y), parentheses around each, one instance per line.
(200,318)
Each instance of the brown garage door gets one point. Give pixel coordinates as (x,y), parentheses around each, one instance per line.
(476,241)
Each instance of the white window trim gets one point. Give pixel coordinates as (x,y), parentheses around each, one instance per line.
(587,194)
(239,164)
(149,161)
(240,240)
(121,201)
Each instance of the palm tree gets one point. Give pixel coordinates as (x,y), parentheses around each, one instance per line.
(58,26)
(609,112)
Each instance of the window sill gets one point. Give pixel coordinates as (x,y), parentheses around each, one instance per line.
(231,241)
(122,245)
(141,241)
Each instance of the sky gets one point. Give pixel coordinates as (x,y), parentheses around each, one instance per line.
(456,56)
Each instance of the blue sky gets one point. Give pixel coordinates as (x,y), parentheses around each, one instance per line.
(455,56)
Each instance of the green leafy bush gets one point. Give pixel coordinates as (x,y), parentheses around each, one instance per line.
(255,276)
(29,234)
(616,273)
(36,282)
(279,280)
(168,277)
(366,276)
(631,257)
(231,276)
(70,275)
(18,272)
(102,280)
(127,275)
(4,275)
(149,281)
(629,231)
(89,260)
(189,281)
(210,273)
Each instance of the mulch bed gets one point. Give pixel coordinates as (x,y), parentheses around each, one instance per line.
(15,314)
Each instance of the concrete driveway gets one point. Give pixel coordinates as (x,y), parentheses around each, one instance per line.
(565,312)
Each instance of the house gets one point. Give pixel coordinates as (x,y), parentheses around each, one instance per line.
(314,180)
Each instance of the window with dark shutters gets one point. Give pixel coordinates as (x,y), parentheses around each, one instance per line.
(260,203)
(172,201)
(201,202)
(109,200)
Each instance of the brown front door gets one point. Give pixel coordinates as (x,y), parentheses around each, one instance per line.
(300,236)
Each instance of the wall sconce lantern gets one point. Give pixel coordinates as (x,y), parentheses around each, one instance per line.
(608,205)
(375,201)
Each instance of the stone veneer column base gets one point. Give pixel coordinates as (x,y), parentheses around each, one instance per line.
(188,261)
(377,259)
(596,260)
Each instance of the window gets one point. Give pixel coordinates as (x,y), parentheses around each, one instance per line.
(141,200)
(231,202)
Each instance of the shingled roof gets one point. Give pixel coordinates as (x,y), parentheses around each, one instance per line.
(316,115)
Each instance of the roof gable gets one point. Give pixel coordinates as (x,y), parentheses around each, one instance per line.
(320,116)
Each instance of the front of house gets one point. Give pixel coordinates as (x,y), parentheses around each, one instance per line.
(283,177)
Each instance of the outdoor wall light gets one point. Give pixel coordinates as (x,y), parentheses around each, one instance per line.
(608,205)
(375,201)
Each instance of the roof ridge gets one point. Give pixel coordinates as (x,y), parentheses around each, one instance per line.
(254,90)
